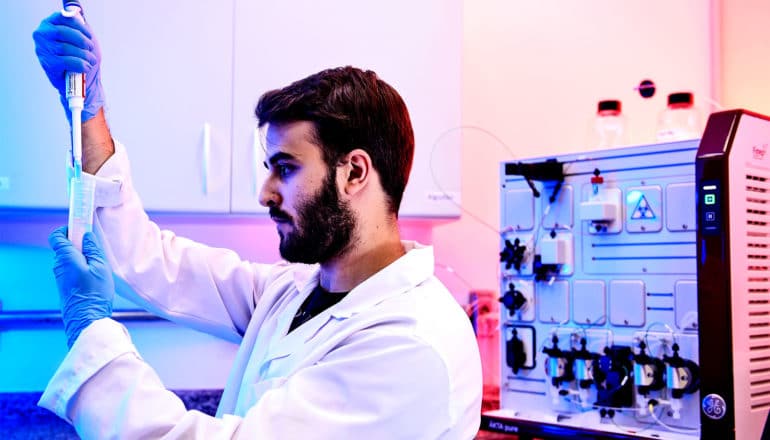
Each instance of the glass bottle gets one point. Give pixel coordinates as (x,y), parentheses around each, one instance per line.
(610,124)
(680,120)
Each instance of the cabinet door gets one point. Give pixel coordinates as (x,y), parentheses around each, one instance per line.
(34,134)
(167,73)
(415,46)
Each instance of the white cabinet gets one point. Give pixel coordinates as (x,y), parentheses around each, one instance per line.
(167,73)
(34,134)
(414,46)
(182,78)
(167,69)
(192,65)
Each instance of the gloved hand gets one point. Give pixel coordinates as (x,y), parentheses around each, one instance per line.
(86,288)
(67,44)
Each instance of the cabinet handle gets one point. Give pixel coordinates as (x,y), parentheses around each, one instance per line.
(206,156)
(255,162)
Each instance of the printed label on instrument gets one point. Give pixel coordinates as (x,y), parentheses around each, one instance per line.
(76,85)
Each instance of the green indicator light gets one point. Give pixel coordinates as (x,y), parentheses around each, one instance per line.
(710,199)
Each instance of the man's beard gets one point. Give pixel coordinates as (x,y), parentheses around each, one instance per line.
(323,228)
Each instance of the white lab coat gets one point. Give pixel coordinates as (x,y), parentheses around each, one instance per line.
(395,359)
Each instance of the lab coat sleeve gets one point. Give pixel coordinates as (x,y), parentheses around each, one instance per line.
(106,391)
(206,288)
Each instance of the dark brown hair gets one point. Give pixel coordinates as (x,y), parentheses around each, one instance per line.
(350,108)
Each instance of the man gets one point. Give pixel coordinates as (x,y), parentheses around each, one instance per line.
(360,341)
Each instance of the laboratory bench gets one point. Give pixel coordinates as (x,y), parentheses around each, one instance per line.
(22,419)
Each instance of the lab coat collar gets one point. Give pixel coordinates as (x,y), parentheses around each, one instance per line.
(411,269)
(408,271)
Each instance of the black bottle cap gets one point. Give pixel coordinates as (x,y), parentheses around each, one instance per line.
(680,98)
(609,104)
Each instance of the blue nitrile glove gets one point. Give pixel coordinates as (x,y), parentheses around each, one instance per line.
(66,44)
(86,288)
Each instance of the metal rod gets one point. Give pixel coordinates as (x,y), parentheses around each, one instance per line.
(32,318)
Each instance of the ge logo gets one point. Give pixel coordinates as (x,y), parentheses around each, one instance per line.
(714,406)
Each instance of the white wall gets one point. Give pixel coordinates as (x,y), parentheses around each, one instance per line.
(532,74)
(745,54)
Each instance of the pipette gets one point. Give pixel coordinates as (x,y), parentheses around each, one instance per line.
(81,187)
(76,94)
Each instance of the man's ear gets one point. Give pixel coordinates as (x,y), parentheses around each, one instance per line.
(356,171)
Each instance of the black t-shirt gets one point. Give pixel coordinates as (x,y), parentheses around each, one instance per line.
(319,300)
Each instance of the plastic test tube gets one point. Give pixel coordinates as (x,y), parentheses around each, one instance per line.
(81,208)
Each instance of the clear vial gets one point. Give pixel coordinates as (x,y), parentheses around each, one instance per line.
(610,124)
(680,120)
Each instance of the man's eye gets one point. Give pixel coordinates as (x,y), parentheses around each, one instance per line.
(284,170)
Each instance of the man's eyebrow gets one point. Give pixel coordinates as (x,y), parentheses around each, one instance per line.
(280,156)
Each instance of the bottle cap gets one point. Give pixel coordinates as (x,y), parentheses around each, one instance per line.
(609,104)
(680,98)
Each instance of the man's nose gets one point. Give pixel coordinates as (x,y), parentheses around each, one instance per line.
(268,194)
